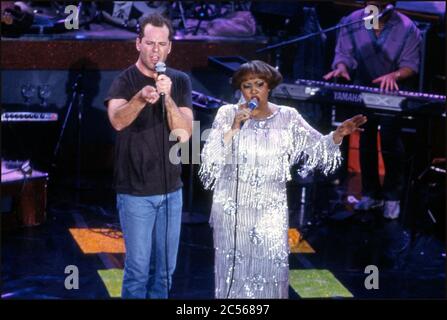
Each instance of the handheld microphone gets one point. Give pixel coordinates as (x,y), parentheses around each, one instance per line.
(252,104)
(160,68)
(388,9)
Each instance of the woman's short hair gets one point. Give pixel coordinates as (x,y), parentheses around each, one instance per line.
(256,68)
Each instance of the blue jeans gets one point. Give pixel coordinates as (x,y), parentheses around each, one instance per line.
(148,247)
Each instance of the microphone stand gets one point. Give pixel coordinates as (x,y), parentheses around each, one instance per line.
(79,146)
(164,169)
(76,89)
(77,97)
(310,35)
(160,68)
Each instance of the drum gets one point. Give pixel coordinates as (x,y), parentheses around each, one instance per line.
(15,19)
(126,14)
(49,17)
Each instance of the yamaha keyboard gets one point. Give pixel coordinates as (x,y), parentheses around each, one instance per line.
(369,97)
(29,116)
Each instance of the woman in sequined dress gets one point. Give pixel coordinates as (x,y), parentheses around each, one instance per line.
(246,160)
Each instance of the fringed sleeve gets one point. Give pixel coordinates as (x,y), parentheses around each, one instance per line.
(215,153)
(312,149)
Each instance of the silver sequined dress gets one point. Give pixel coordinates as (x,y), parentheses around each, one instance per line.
(252,170)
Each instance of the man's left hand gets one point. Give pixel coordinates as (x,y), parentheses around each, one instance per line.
(164,84)
(388,82)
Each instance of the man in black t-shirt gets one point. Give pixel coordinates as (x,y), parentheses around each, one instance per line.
(148,185)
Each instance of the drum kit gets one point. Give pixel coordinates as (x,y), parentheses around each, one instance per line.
(35,17)
(49,17)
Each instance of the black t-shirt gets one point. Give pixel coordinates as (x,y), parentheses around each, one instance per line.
(138,168)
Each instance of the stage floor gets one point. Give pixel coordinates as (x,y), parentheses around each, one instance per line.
(329,262)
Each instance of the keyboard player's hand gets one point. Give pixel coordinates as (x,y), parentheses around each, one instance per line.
(340,72)
(388,82)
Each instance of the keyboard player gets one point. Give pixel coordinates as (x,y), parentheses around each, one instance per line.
(381,57)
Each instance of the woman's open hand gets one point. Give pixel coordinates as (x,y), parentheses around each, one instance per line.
(349,126)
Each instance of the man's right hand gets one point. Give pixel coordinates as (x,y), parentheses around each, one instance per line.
(341,71)
(150,94)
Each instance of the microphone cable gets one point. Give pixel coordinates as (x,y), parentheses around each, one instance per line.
(252,104)
(235,213)
(160,68)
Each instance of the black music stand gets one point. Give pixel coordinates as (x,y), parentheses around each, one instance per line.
(76,98)
(431,177)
